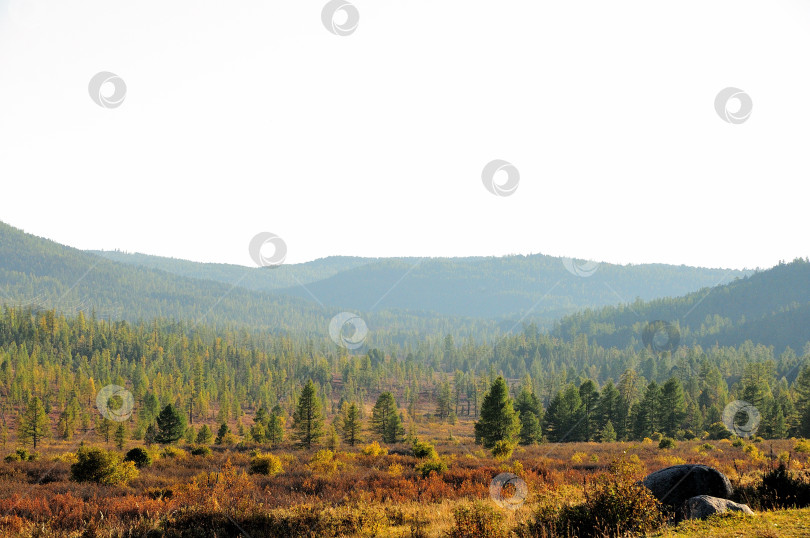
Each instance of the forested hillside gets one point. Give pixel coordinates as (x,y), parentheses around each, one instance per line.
(769,307)
(478,287)
(41,273)
(220,376)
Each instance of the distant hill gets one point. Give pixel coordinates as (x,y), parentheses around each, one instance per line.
(770,307)
(481,287)
(41,273)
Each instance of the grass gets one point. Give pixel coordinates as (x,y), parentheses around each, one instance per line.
(776,524)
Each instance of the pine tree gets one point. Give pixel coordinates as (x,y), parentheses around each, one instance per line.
(499,421)
(589,394)
(672,407)
(564,416)
(444,405)
(105,428)
(224,430)
(608,433)
(120,435)
(531,417)
(385,419)
(275,427)
(34,424)
(352,425)
(150,436)
(171,425)
(307,419)
(205,435)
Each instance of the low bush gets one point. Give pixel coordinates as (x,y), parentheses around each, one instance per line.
(433,466)
(266,464)
(502,450)
(102,467)
(203,451)
(22,454)
(779,489)
(616,504)
(374,449)
(139,456)
(666,444)
(424,450)
(173,452)
(802,445)
(477,520)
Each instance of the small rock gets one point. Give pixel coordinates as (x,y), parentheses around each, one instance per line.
(703,506)
(674,485)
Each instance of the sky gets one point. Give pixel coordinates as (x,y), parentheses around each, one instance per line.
(257,116)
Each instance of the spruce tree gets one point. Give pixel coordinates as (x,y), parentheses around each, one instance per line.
(171,425)
(307,419)
(351,425)
(531,417)
(499,421)
(385,419)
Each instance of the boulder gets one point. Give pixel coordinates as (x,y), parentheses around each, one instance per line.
(674,485)
(703,506)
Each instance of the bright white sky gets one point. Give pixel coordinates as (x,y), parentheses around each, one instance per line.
(249,116)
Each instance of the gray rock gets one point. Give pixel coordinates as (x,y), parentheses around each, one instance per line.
(674,485)
(703,506)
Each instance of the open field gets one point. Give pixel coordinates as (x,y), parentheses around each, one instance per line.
(352,493)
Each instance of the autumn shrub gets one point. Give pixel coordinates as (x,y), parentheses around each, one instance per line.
(502,450)
(103,467)
(779,488)
(477,520)
(266,464)
(139,456)
(22,454)
(201,450)
(431,466)
(66,457)
(323,462)
(374,449)
(802,445)
(667,443)
(718,431)
(424,450)
(615,505)
(172,452)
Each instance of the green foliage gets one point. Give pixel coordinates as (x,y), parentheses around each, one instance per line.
(718,431)
(34,424)
(202,450)
(22,454)
(352,425)
(222,434)
(171,425)
(502,450)
(424,450)
(102,467)
(139,456)
(531,417)
(266,464)
(385,420)
(205,436)
(667,443)
(308,420)
(431,466)
(499,421)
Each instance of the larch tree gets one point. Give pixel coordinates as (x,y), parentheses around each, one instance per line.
(34,423)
